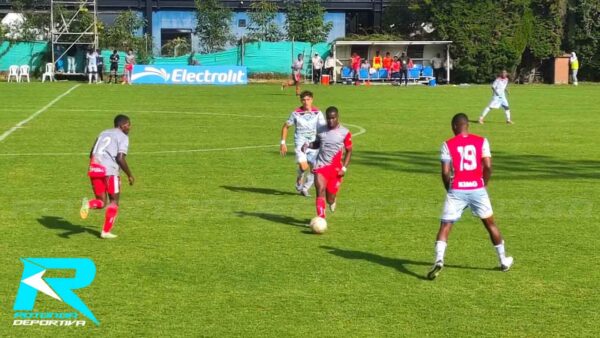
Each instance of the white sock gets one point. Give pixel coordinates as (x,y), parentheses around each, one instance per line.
(440,250)
(500,252)
(485,112)
(96,77)
(507,113)
(90,78)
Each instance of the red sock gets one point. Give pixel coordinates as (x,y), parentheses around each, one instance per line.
(109,218)
(96,204)
(321,207)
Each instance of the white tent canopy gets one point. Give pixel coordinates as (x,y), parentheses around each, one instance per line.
(341,50)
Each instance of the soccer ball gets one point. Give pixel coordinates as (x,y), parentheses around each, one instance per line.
(318,225)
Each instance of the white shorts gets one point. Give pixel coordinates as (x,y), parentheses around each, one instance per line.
(92,69)
(309,157)
(498,101)
(458,200)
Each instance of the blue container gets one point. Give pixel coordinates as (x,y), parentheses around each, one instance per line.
(432,83)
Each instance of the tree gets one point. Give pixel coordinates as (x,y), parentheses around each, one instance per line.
(404,17)
(213,27)
(583,36)
(305,21)
(262,25)
(35,20)
(122,35)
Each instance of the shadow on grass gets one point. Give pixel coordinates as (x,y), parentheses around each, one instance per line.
(282,219)
(506,165)
(399,264)
(265,191)
(59,223)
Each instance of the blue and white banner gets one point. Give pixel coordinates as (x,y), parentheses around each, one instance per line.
(191,75)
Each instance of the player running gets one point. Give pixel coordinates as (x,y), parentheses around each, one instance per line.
(499,89)
(468,158)
(331,141)
(106,157)
(306,119)
(296,74)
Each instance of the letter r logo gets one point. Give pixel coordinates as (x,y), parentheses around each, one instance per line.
(32,281)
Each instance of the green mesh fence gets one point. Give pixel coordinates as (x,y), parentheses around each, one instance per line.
(259,57)
(23,53)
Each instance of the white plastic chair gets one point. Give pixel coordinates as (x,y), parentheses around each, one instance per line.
(24,71)
(49,72)
(13,71)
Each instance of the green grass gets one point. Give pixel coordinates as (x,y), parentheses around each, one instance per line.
(213,243)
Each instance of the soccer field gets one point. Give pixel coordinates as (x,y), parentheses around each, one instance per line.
(213,238)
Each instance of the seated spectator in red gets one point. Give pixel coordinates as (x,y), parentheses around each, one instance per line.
(387,63)
(395,68)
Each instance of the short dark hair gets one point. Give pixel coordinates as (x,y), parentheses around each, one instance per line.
(460,119)
(121,120)
(331,109)
(306,93)
(115,51)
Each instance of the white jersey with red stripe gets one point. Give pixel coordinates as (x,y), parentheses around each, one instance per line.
(306,124)
(332,144)
(109,144)
(465,152)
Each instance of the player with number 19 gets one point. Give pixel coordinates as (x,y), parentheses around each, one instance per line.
(106,158)
(466,170)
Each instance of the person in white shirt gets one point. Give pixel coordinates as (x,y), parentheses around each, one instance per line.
(317,63)
(499,90)
(330,63)
(92,64)
(438,67)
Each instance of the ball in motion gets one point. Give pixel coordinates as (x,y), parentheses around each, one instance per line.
(318,225)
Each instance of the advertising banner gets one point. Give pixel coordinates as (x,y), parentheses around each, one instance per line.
(189,75)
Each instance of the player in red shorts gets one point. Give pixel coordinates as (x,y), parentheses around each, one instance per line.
(332,141)
(106,157)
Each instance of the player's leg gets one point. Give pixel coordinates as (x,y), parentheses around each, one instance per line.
(333,187)
(482,207)
(575,76)
(321,185)
(89,74)
(100,187)
(114,189)
(454,205)
(311,155)
(504,105)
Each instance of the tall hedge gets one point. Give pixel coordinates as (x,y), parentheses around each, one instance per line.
(583,36)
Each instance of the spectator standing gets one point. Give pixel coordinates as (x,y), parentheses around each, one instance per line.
(387,63)
(129,62)
(438,67)
(395,68)
(100,62)
(114,66)
(377,61)
(574,63)
(317,64)
(330,63)
(407,64)
(355,64)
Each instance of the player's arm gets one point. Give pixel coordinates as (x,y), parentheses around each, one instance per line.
(446,159)
(92,150)
(347,156)
(284,132)
(486,163)
(125,167)
(446,174)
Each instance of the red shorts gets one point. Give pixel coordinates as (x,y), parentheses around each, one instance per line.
(129,67)
(332,179)
(296,78)
(102,185)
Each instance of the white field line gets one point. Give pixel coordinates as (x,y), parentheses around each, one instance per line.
(361,131)
(43,109)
